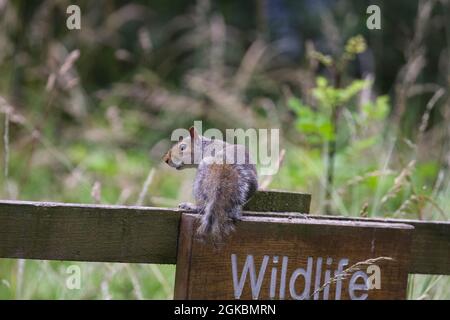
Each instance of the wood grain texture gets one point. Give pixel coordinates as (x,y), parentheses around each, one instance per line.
(42,230)
(430,248)
(88,233)
(279,201)
(183,258)
(205,272)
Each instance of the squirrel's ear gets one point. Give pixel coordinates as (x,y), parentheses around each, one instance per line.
(193,133)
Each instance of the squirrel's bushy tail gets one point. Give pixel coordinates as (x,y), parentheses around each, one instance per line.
(222,190)
(218,221)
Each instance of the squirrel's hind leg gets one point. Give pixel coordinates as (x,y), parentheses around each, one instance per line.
(235,213)
(189,207)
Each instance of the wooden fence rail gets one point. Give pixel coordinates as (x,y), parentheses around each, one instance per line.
(75,232)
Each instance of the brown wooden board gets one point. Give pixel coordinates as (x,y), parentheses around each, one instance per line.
(284,253)
(430,247)
(103,233)
(56,231)
(279,201)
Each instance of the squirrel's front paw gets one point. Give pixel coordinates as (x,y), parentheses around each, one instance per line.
(188,206)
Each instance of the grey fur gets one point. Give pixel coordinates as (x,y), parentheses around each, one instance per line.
(220,198)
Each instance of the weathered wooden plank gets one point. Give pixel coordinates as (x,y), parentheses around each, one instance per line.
(279,201)
(183,258)
(279,258)
(42,230)
(57,231)
(430,248)
(61,231)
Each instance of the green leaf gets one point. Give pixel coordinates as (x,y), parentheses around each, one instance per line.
(377,110)
(321,82)
(295,104)
(351,90)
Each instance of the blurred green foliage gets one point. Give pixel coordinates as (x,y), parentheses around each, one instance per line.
(94,132)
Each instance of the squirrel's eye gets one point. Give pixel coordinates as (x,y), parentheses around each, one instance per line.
(182,146)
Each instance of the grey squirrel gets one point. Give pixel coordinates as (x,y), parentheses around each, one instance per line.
(225,181)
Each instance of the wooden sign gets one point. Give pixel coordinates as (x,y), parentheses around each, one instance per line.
(295,258)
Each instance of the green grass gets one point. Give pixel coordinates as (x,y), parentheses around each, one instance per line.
(96,141)
(28,279)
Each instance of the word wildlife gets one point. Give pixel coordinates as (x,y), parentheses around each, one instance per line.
(357,288)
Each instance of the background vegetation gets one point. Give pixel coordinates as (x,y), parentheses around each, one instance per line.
(87,115)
